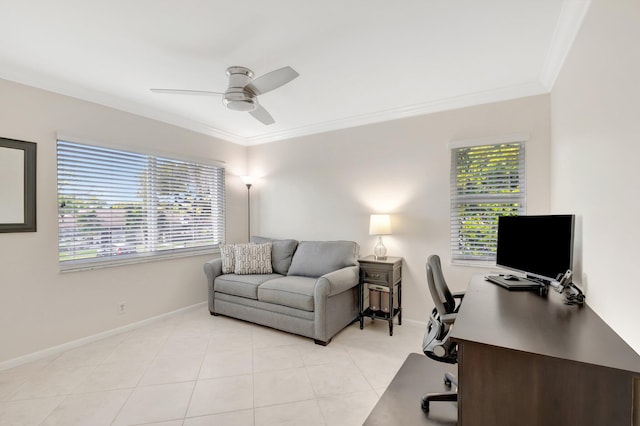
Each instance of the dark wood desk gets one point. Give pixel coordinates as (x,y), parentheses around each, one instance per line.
(524,359)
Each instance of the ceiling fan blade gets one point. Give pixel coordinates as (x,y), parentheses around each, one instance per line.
(186,92)
(262,115)
(272,80)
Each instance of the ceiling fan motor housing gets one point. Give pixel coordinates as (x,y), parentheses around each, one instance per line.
(237,97)
(242,93)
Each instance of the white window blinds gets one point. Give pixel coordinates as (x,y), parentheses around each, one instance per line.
(487,181)
(115,205)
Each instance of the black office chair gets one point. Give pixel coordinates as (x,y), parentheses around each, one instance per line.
(437,344)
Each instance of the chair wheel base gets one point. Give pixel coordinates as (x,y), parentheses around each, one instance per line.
(424,404)
(443,396)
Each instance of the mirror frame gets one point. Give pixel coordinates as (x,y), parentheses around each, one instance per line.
(29,180)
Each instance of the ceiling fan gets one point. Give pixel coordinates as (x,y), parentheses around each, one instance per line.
(242,93)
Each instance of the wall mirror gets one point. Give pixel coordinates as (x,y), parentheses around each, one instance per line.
(17,186)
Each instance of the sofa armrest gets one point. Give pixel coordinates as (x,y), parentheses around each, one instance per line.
(338,281)
(333,311)
(212,269)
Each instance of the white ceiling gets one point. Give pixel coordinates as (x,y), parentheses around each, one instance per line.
(360,61)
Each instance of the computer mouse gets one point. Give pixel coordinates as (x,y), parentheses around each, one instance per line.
(511,277)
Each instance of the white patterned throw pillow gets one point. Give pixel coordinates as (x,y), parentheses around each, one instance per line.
(253,259)
(227,252)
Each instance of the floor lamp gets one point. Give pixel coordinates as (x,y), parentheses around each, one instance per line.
(248,180)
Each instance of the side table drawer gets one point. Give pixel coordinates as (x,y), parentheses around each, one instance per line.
(380,290)
(381,277)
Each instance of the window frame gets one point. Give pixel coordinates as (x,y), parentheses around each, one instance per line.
(513,203)
(217,216)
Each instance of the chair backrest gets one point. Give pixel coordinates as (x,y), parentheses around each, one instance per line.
(440,293)
(436,343)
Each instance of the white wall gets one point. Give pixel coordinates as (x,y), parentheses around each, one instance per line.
(595,152)
(325,186)
(41,307)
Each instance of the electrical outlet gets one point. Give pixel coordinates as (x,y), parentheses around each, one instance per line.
(122,308)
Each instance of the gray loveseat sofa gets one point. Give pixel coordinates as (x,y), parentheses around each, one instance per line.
(312,290)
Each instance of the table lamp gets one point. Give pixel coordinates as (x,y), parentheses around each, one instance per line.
(380,224)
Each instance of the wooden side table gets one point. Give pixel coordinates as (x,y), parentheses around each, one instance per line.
(384,276)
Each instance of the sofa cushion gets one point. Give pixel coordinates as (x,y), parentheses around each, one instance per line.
(252,259)
(281,252)
(295,292)
(241,285)
(226,254)
(316,258)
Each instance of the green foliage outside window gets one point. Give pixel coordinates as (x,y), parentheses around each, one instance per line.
(487,182)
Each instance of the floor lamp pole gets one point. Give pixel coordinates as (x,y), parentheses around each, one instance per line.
(249,211)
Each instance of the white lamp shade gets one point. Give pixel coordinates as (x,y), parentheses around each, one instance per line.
(380,224)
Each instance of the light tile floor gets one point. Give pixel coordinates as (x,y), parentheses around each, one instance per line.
(195,369)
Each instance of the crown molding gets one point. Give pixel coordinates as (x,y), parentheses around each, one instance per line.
(478,98)
(101,98)
(569,22)
(40,81)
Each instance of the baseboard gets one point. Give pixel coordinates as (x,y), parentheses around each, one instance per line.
(93,338)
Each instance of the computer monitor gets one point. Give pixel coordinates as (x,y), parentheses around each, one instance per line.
(539,246)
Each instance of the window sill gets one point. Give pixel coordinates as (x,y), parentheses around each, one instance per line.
(475,263)
(88,265)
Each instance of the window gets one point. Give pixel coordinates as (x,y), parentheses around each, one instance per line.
(487,181)
(117,206)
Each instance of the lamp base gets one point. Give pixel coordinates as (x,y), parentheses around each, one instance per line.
(380,251)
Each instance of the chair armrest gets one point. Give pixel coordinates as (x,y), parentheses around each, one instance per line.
(460,297)
(341,280)
(448,318)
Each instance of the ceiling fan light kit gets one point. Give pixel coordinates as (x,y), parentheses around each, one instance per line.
(240,101)
(238,97)
(242,92)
